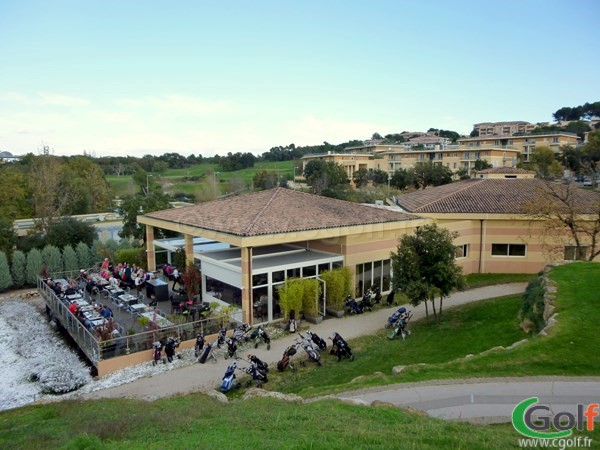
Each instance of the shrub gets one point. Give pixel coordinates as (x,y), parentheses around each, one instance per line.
(34,266)
(338,284)
(84,256)
(18,268)
(131,256)
(290,296)
(532,307)
(312,290)
(70,259)
(6,280)
(191,280)
(70,231)
(52,259)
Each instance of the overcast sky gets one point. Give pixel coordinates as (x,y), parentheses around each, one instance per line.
(148,77)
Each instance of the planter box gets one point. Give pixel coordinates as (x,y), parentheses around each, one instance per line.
(335,312)
(313,319)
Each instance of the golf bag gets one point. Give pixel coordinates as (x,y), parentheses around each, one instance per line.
(172,344)
(352,306)
(258,334)
(286,360)
(366,302)
(395,317)
(207,353)
(240,333)
(340,347)
(377,294)
(317,340)
(312,353)
(399,326)
(231,348)
(259,363)
(156,352)
(258,375)
(228,382)
(222,337)
(390,298)
(199,344)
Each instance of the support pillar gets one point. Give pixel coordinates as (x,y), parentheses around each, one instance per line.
(150,253)
(189,249)
(247,304)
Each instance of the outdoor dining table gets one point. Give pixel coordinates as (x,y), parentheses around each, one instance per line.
(74,297)
(157,319)
(128,299)
(138,307)
(80,302)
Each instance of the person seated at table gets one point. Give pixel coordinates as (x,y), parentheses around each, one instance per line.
(58,289)
(73,308)
(91,286)
(105,264)
(113,282)
(167,270)
(87,323)
(106,312)
(79,315)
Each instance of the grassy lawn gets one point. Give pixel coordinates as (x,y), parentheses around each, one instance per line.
(122,185)
(487,279)
(468,329)
(194,421)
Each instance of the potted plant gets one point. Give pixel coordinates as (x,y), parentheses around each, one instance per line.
(311,293)
(291,295)
(338,284)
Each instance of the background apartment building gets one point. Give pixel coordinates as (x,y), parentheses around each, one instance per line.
(503,128)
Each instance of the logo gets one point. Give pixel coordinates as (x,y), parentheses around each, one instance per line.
(540,426)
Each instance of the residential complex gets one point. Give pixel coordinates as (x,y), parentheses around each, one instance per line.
(495,150)
(503,128)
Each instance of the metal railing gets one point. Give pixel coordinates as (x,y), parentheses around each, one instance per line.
(97,350)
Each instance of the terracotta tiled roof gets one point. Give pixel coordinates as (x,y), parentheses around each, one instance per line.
(507,170)
(493,196)
(275,211)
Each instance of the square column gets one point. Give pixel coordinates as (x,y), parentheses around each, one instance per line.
(189,249)
(150,253)
(247,284)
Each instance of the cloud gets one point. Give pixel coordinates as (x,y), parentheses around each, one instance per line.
(179,104)
(312,130)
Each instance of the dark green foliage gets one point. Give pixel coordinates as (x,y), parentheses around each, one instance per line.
(134,205)
(8,237)
(84,256)
(34,266)
(481,164)
(6,280)
(18,268)
(70,260)
(52,259)
(265,180)
(424,266)
(131,256)
(236,161)
(532,307)
(70,231)
(179,259)
(325,175)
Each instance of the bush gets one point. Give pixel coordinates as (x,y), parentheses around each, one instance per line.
(6,280)
(532,307)
(312,290)
(34,266)
(70,260)
(52,259)
(132,256)
(338,284)
(290,297)
(18,268)
(70,231)
(84,256)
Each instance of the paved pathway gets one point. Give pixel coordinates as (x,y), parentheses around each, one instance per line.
(201,376)
(484,400)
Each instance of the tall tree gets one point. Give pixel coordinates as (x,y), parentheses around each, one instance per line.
(133,205)
(34,266)
(481,164)
(84,256)
(52,259)
(70,260)
(322,175)
(6,280)
(18,268)
(568,216)
(545,164)
(424,267)
(70,231)
(361,178)
(48,198)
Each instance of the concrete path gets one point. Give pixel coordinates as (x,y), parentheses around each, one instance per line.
(198,377)
(484,400)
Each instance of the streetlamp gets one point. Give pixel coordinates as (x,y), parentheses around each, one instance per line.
(148,175)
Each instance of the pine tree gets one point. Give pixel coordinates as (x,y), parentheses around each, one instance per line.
(6,280)
(84,256)
(52,259)
(18,268)
(34,266)
(70,259)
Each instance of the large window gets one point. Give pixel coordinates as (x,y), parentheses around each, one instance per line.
(574,253)
(509,250)
(375,273)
